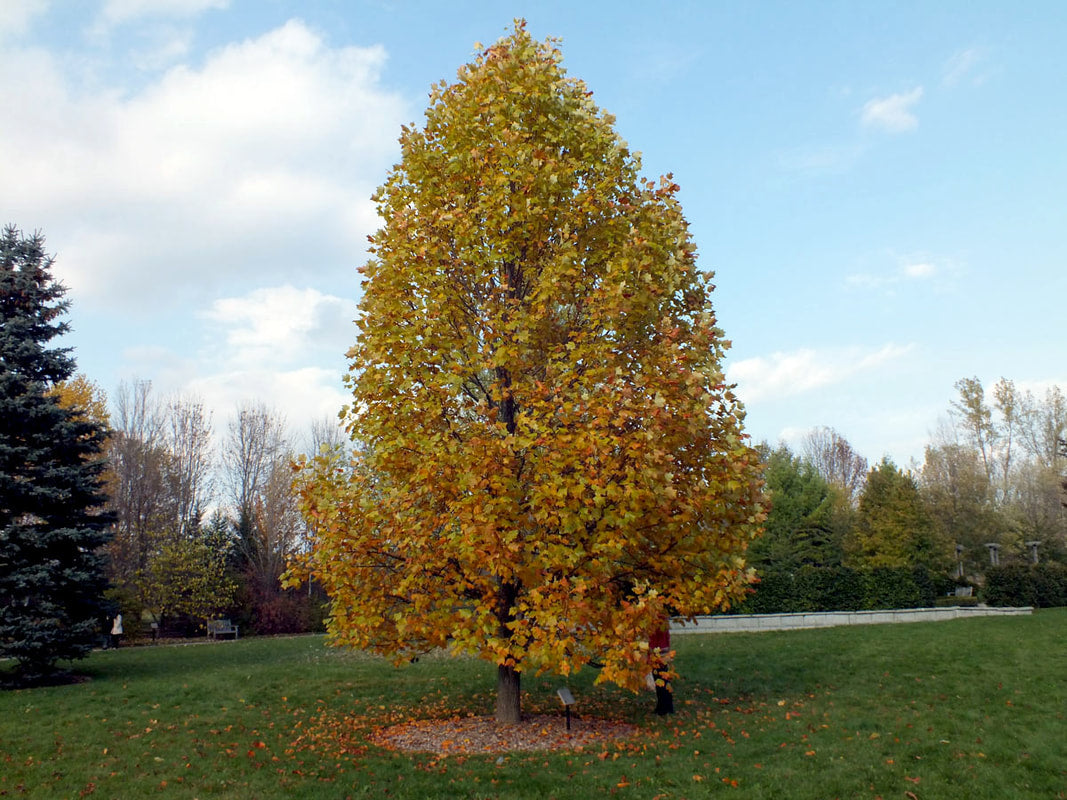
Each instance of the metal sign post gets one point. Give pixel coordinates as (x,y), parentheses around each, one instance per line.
(567,699)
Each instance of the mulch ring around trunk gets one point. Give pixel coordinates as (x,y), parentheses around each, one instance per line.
(473,735)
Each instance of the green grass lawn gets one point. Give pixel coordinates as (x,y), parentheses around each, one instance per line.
(961,709)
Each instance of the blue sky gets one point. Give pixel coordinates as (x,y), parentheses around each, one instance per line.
(879,187)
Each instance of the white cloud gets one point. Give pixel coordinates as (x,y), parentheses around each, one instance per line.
(894,113)
(282,346)
(169,371)
(281,325)
(300,395)
(784,374)
(919,270)
(1038,388)
(793,437)
(257,164)
(15,15)
(161,46)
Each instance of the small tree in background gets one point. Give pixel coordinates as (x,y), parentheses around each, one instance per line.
(187,576)
(268,528)
(801,528)
(51,522)
(836,461)
(552,463)
(894,527)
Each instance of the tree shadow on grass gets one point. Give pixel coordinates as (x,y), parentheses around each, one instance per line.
(184,660)
(11,680)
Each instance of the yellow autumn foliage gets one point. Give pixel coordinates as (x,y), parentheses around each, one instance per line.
(549,459)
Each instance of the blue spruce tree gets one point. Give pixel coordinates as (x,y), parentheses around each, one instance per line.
(52,518)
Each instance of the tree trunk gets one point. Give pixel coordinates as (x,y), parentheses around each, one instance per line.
(664,695)
(508,703)
(508,708)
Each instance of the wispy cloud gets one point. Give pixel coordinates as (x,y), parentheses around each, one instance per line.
(908,270)
(964,65)
(786,374)
(820,160)
(120,11)
(893,113)
(15,15)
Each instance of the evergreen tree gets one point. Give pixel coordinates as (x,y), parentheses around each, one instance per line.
(802,526)
(894,527)
(51,522)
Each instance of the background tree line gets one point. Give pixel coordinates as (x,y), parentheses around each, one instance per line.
(203,524)
(842,534)
(133,507)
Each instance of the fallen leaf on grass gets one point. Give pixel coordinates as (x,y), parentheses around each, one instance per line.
(483,735)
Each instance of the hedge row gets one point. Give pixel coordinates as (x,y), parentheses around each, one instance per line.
(1039,585)
(843,589)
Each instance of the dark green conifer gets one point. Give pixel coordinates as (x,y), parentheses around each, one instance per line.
(52,521)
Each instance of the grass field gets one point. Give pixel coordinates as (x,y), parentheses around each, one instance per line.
(961,709)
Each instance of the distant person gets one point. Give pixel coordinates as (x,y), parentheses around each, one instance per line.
(116,630)
(103,627)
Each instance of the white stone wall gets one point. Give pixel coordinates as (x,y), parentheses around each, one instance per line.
(826,619)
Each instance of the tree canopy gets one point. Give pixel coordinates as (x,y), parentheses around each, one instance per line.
(550,461)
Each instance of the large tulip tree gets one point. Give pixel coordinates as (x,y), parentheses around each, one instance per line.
(549,461)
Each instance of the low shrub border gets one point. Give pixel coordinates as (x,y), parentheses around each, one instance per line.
(1038,585)
(812,588)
